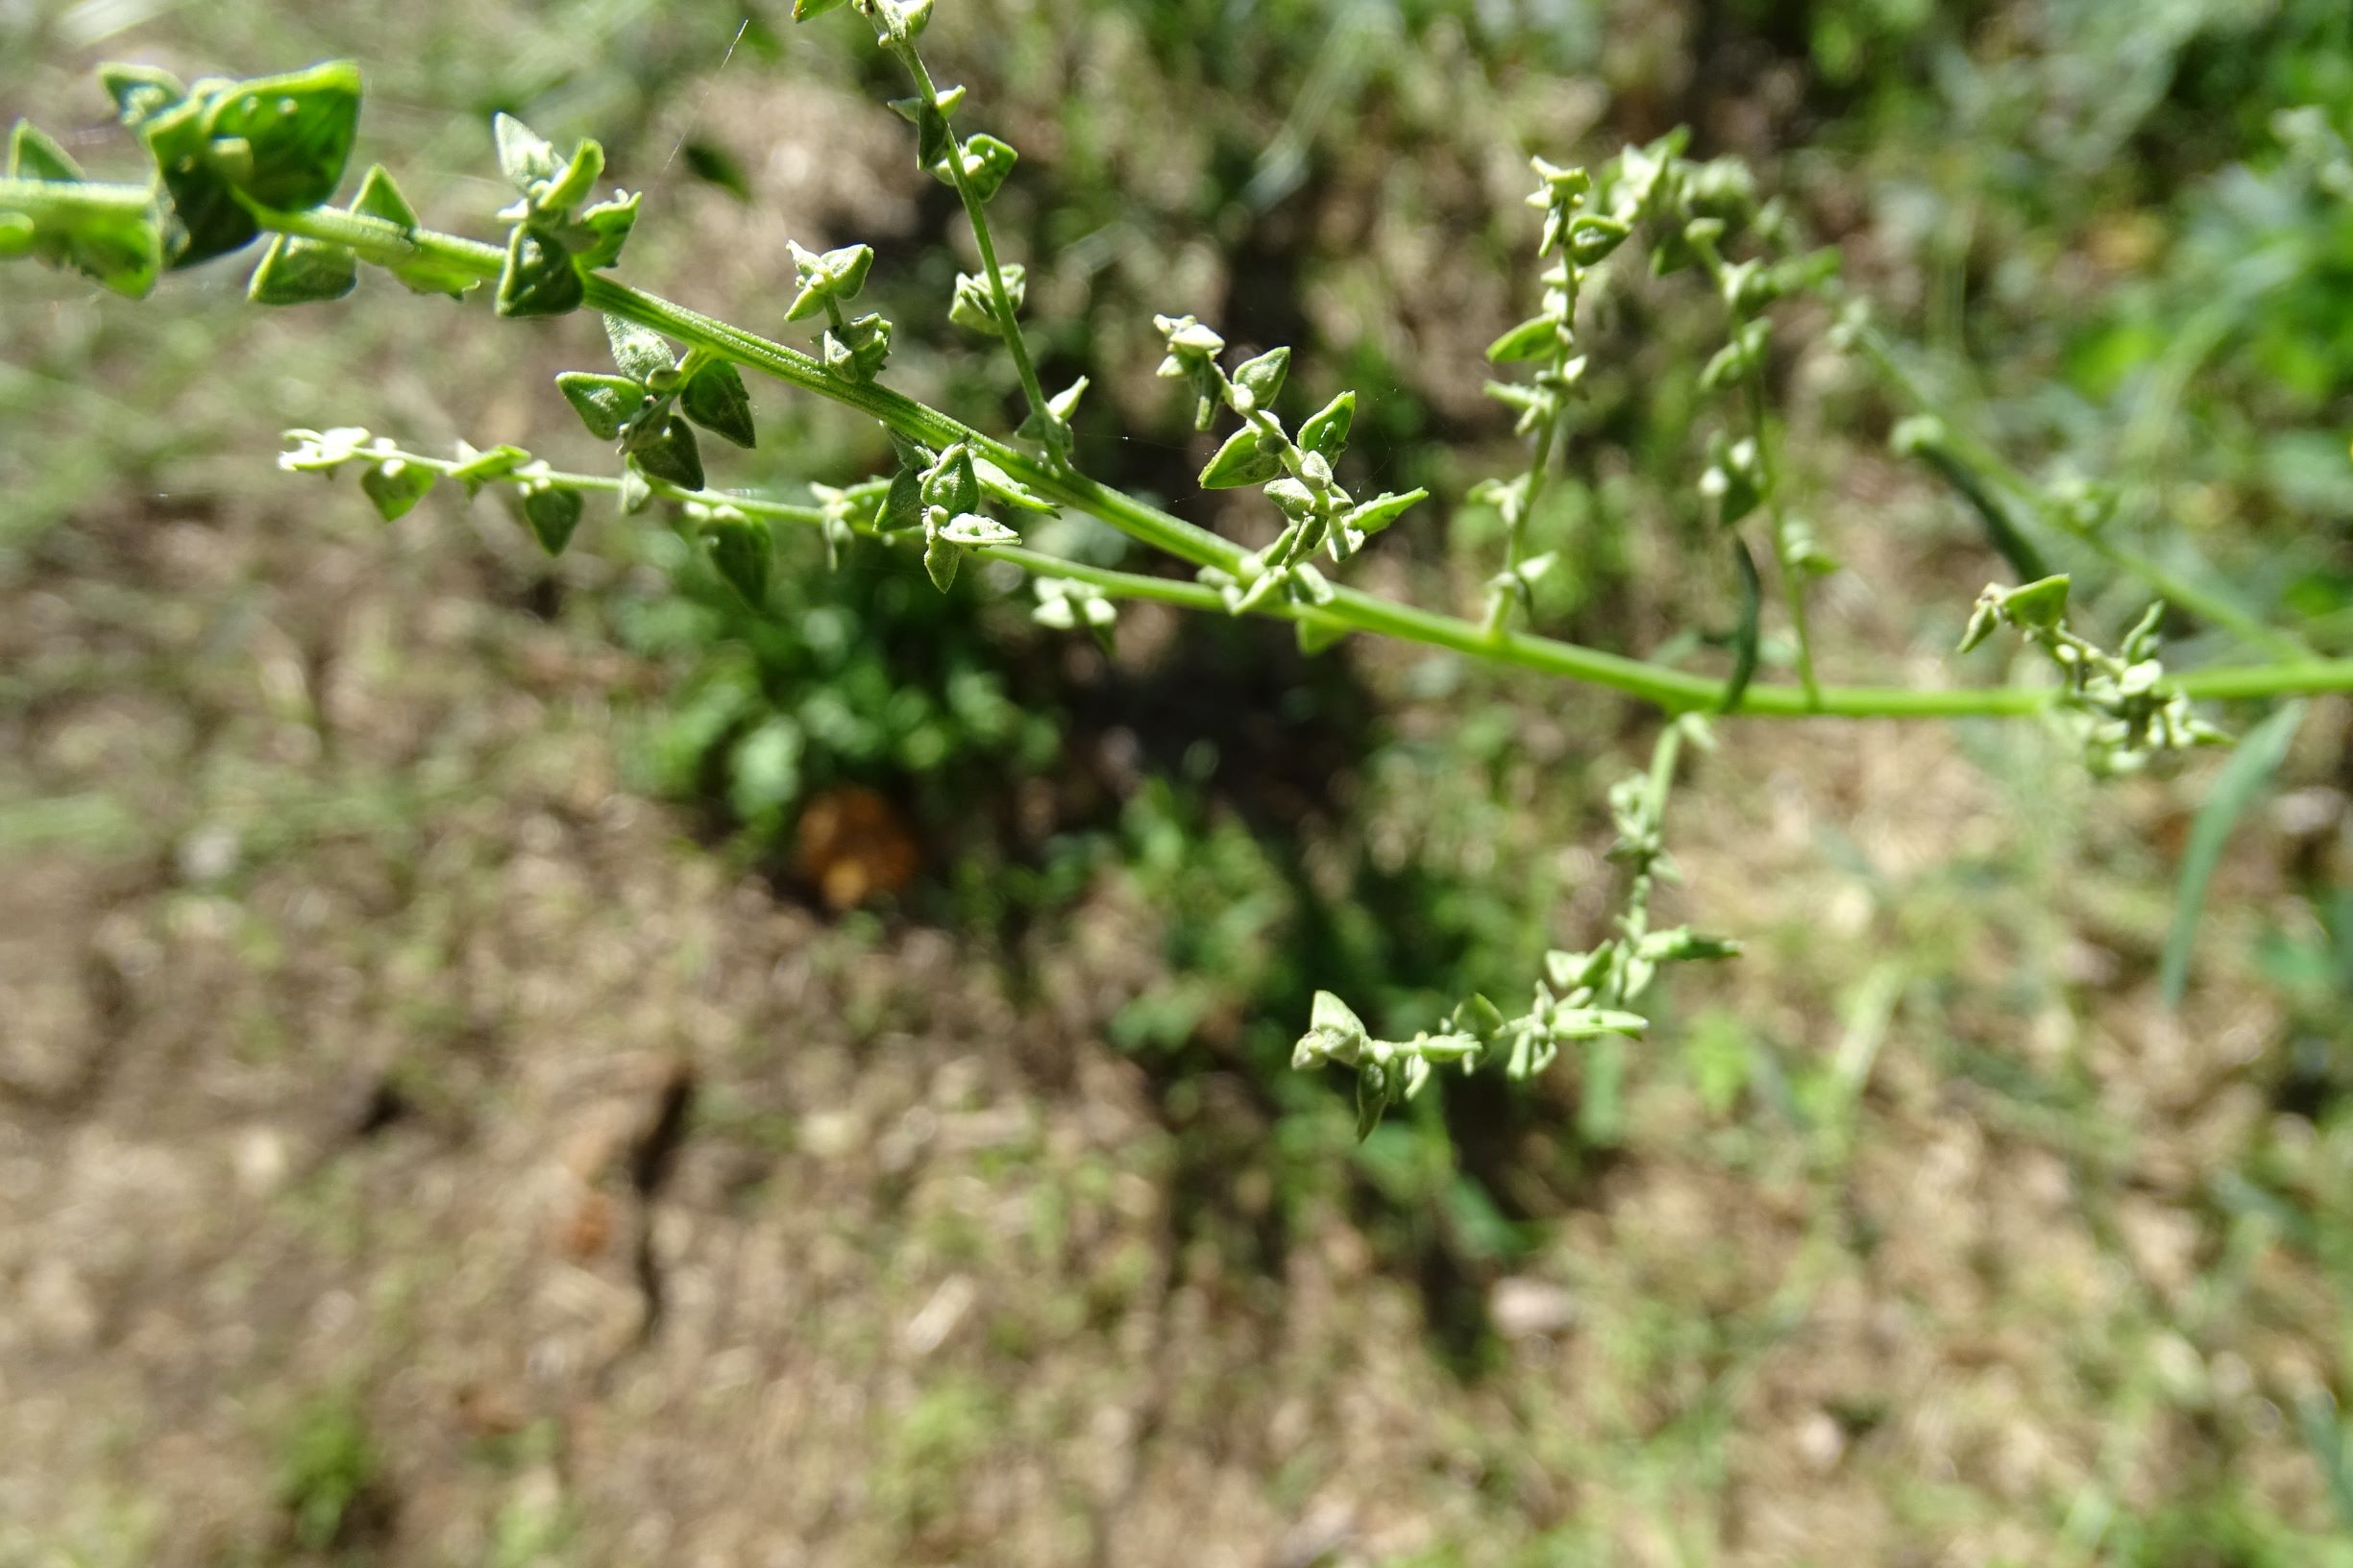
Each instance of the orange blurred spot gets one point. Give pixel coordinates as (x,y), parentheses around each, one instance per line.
(851,846)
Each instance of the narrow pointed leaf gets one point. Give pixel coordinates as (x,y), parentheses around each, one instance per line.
(1531,339)
(1327,431)
(1243,460)
(1744,635)
(2241,782)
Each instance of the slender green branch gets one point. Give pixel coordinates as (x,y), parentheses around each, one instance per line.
(1055,438)
(2183,593)
(382,242)
(49,198)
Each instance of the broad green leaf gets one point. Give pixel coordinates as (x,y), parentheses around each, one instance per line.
(1003,486)
(299,271)
(298,129)
(714,399)
(803,9)
(396,486)
(553,512)
(2240,782)
(1244,459)
(605,404)
(538,279)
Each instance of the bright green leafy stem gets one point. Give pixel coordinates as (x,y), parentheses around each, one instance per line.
(51,216)
(237,161)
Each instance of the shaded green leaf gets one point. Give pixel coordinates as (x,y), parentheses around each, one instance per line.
(297,130)
(740,550)
(714,399)
(1746,634)
(669,454)
(553,512)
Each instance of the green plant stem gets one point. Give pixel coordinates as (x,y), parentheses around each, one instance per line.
(1056,439)
(1793,587)
(1674,690)
(61,198)
(2180,592)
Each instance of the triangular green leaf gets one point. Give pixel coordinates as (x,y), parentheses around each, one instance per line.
(672,456)
(34,156)
(379,198)
(552,513)
(714,399)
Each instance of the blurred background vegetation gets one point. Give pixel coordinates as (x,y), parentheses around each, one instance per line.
(518,1062)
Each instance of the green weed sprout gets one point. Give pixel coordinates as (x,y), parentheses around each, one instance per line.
(236,164)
